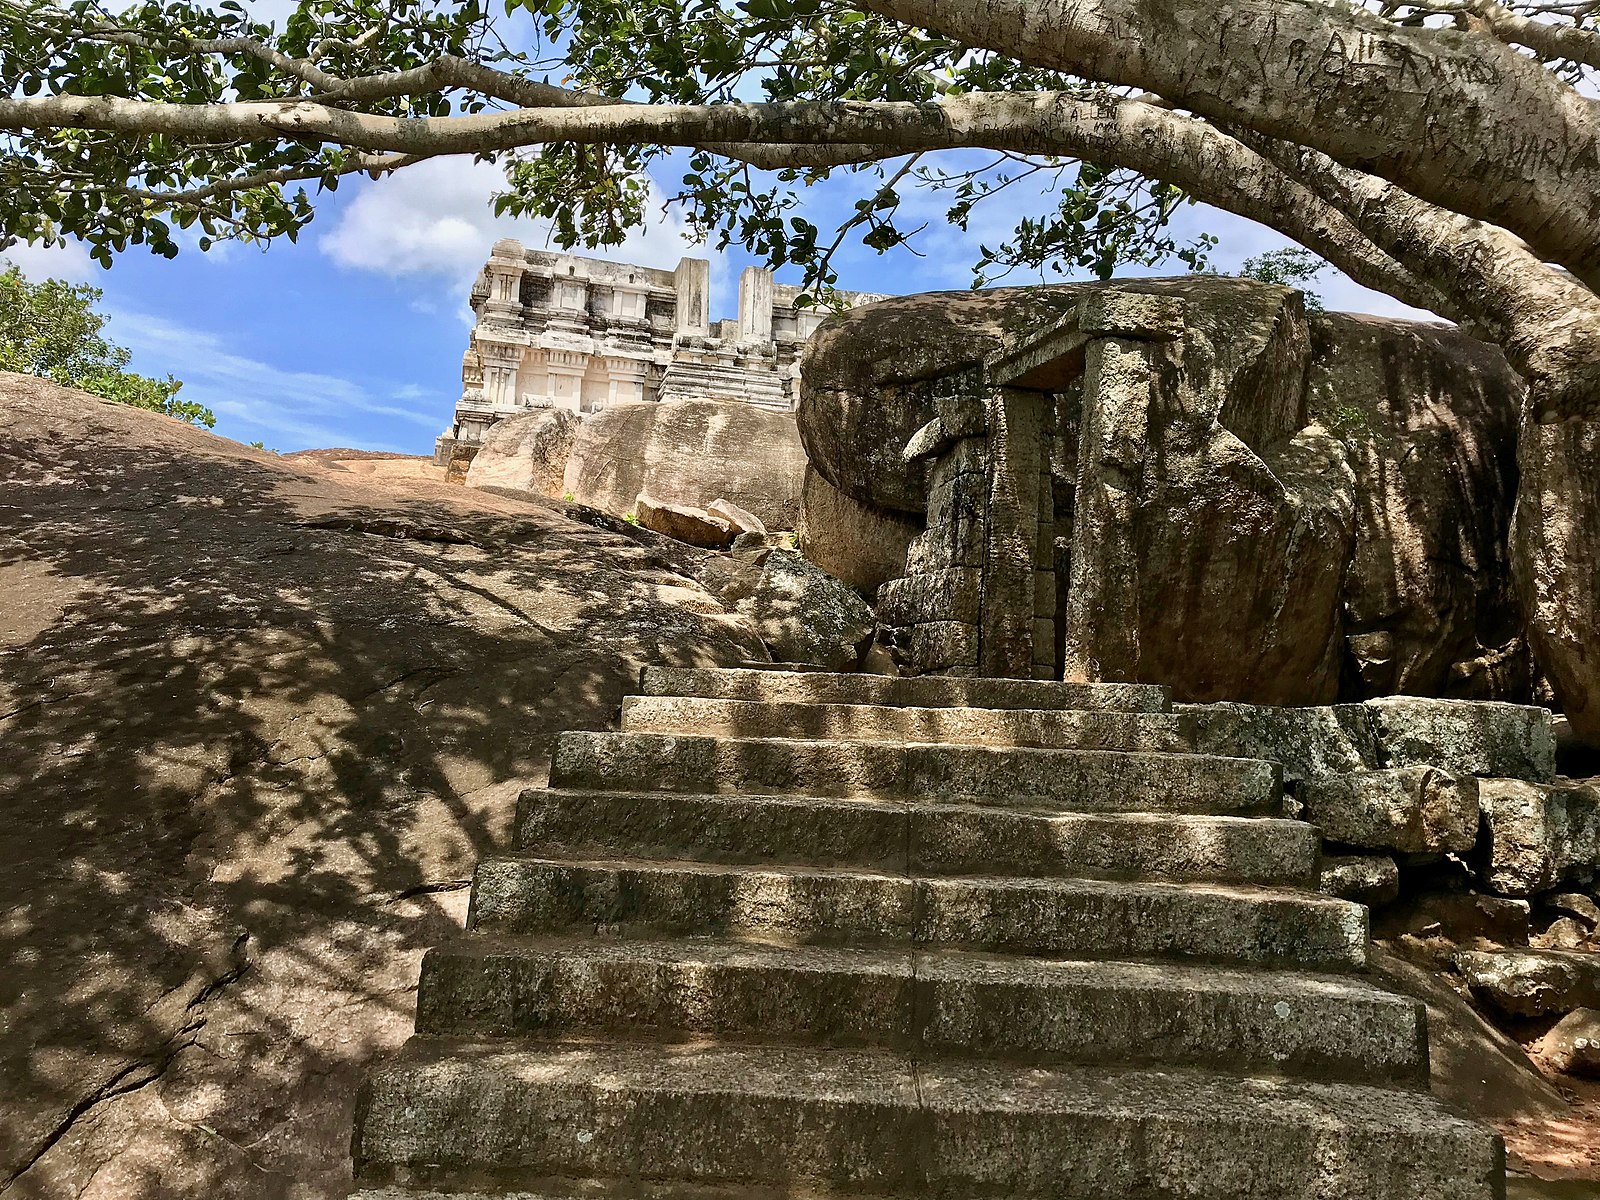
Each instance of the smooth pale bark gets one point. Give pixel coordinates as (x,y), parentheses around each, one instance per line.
(1455,117)
(1544,319)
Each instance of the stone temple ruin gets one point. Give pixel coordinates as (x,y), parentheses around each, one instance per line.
(569,332)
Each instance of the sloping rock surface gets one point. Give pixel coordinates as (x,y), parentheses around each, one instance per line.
(258,719)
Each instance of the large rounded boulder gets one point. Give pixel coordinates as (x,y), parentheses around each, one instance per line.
(689,453)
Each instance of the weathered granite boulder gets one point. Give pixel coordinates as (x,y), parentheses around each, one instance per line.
(1429,418)
(695,526)
(860,544)
(803,614)
(1555,542)
(1538,834)
(1573,1044)
(1337,489)
(1514,741)
(1533,983)
(1415,810)
(1373,880)
(527,452)
(742,520)
(689,452)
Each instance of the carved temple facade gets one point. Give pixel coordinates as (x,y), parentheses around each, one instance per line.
(558,330)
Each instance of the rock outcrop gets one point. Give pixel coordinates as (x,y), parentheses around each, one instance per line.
(527,452)
(1556,556)
(860,544)
(1429,421)
(689,453)
(259,718)
(1335,489)
(802,614)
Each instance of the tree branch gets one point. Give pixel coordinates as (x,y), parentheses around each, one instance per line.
(1454,117)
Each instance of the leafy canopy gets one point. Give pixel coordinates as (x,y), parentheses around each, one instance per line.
(112,190)
(50,329)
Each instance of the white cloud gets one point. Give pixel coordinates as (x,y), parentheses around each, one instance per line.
(253,399)
(435,219)
(70,262)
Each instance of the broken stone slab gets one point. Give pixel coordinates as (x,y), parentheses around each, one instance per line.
(1467,737)
(742,520)
(695,526)
(1539,834)
(1573,1044)
(1311,743)
(1575,904)
(805,615)
(1464,920)
(1373,880)
(1416,810)
(1533,983)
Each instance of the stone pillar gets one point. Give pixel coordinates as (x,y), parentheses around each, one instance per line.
(1123,361)
(1006,628)
(693,280)
(507,262)
(755,305)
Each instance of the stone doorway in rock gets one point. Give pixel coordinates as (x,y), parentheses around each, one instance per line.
(996,585)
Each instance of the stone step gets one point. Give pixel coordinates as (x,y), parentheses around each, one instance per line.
(809,1121)
(1062,918)
(1062,729)
(927,691)
(1073,780)
(1032,1010)
(907,837)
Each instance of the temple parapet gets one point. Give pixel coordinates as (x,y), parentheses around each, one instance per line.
(558,330)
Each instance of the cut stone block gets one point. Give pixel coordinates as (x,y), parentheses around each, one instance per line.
(1373,880)
(1539,834)
(1064,918)
(929,839)
(823,688)
(1060,729)
(1037,1010)
(950,595)
(1465,737)
(1533,983)
(813,1122)
(1074,780)
(1311,743)
(1415,810)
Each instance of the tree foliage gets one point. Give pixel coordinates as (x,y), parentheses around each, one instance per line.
(50,329)
(1444,151)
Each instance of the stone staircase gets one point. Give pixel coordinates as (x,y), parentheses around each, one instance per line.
(811,935)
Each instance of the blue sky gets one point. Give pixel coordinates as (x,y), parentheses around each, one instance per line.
(353,336)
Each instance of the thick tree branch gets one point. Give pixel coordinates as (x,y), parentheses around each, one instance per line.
(1544,318)
(1455,117)
(1107,129)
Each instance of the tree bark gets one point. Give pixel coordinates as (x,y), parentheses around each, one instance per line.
(1455,117)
